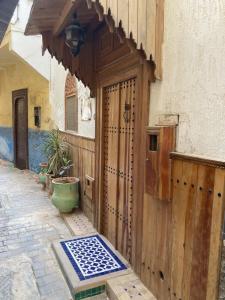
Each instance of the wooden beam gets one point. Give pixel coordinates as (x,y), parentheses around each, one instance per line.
(66,14)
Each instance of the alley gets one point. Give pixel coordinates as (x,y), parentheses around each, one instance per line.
(28,225)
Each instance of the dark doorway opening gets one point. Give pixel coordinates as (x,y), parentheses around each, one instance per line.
(20,128)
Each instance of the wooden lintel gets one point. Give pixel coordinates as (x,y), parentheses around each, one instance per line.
(66,14)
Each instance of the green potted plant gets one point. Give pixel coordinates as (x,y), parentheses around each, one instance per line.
(65,189)
(43,174)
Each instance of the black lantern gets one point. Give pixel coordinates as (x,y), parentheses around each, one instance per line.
(75,36)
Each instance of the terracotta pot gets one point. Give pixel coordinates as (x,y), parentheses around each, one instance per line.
(66,193)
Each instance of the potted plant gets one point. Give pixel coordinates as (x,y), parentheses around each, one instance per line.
(65,189)
(43,174)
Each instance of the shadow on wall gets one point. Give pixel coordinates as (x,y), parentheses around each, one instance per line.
(36,140)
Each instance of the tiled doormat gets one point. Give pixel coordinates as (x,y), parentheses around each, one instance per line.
(91,257)
(87,262)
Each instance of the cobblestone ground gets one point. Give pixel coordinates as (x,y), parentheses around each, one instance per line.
(28,225)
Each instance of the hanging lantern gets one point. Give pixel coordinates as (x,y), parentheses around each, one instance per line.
(75,36)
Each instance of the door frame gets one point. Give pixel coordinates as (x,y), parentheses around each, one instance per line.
(126,68)
(22,93)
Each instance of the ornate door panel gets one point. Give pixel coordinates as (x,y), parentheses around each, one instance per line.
(119,122)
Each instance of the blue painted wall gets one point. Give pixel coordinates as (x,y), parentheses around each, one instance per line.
(36,140)
(6,143)
(35,143)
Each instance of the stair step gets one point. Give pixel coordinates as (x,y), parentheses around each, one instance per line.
(128,287)
(87,263)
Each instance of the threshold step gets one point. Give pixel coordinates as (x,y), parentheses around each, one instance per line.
(128,287)
(87,263)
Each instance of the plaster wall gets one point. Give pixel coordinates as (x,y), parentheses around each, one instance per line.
(193,84)
(22,76)
(28,47)
(57,93)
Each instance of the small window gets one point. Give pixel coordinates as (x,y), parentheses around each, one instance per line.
(153,142)
(72,113)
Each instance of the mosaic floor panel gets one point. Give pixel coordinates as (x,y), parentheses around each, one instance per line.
(91,257)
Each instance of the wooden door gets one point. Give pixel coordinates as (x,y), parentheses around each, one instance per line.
(119,124)
(20,121)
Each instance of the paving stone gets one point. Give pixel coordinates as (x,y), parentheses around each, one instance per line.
(27,226)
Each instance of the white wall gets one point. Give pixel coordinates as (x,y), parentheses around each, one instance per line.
(29,48)
(85,128)
(57,93)
(57,99)
(193,84)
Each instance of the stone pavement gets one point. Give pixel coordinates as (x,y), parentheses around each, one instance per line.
(28,225)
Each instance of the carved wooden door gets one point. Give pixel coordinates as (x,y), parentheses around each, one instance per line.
(20,120)
(119,124)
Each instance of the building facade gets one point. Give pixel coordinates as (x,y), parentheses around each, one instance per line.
(23,68)
(158,177)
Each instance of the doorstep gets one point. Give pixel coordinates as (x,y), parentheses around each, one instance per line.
(87,263)
(119,287)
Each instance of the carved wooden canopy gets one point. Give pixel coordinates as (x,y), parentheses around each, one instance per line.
(137,22)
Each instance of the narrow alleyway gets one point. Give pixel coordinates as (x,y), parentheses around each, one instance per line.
(28,225)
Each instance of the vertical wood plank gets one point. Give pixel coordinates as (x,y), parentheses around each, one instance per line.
(104,5)
(178,229)
(113,6)
(159,34)
(133,19)
(190,179)
(201,241)
(151,28)
(142,24)
(123,15)
(216,235)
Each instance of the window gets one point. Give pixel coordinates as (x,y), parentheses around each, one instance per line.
(71,113)
(71,104)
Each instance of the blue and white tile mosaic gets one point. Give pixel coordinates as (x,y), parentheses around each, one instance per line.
(91,257)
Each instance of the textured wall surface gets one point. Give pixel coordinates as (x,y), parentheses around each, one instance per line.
(28,48)
(36,148)
(19,76)
(193,84)
(57,93)
(6,143)
(85,128)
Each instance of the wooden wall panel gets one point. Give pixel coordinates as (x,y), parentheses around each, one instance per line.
(197,220)
(215,238)
(83,157)
(181,251)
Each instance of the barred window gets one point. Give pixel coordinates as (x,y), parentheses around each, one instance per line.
(72,113)
(71,104)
